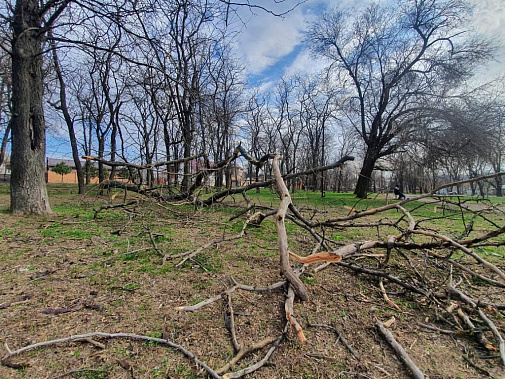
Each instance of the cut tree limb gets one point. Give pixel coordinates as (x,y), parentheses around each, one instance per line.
(282,237)
(317,257)
(288,306)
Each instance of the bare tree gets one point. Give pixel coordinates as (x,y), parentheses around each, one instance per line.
(395,57)
(287,122)
(222,103)
(318,111)
(497,145)
(62,105)
(255,119)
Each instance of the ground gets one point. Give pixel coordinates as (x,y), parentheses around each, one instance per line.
(107,275)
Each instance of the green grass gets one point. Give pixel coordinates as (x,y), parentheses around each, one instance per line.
(75,220)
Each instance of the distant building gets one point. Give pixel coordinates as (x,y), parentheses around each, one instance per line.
(5,169)
(53,177)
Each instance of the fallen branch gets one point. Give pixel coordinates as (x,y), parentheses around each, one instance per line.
(438,330)
(416,372)
(231,328)
(58,311)
(384,275)
(386,297)
(22,299)
(115,206)
(201,304)
(288,307)
(140,167)
(259,364)
(492,326)
(244,351)
(462,248)
(84,337)
(479,336)
(317,257)
(192,308)
(282,237)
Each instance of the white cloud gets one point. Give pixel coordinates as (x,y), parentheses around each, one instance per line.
(305,63)
(267,39)
(489,21)
(489,18)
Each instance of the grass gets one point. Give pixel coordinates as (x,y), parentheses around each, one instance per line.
(76,216)
(140,293)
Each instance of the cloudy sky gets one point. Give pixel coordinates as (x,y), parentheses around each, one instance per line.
(273,45)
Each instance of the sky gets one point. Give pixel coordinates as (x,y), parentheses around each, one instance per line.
(271,46)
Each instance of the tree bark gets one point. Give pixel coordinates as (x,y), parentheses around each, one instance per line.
(499,183)
(28,182)
(365,175)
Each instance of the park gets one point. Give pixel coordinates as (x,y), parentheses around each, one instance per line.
(124,283)
(261,189)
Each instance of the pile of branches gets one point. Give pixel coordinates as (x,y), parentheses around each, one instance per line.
(199,179)
(410,241)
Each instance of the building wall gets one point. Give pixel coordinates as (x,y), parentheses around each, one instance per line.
(53,177)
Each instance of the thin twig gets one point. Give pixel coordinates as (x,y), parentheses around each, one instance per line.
(340,337)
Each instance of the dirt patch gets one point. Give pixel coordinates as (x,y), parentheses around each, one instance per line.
(70,274)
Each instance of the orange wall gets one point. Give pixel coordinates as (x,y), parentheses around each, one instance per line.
(53,177)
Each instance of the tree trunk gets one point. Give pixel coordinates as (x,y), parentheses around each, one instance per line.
(113,151)
(363,185)
(101,149)
(499,184)
(70,123)
(188,139)
(28,182)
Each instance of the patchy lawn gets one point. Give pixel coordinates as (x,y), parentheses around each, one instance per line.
(81,271)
